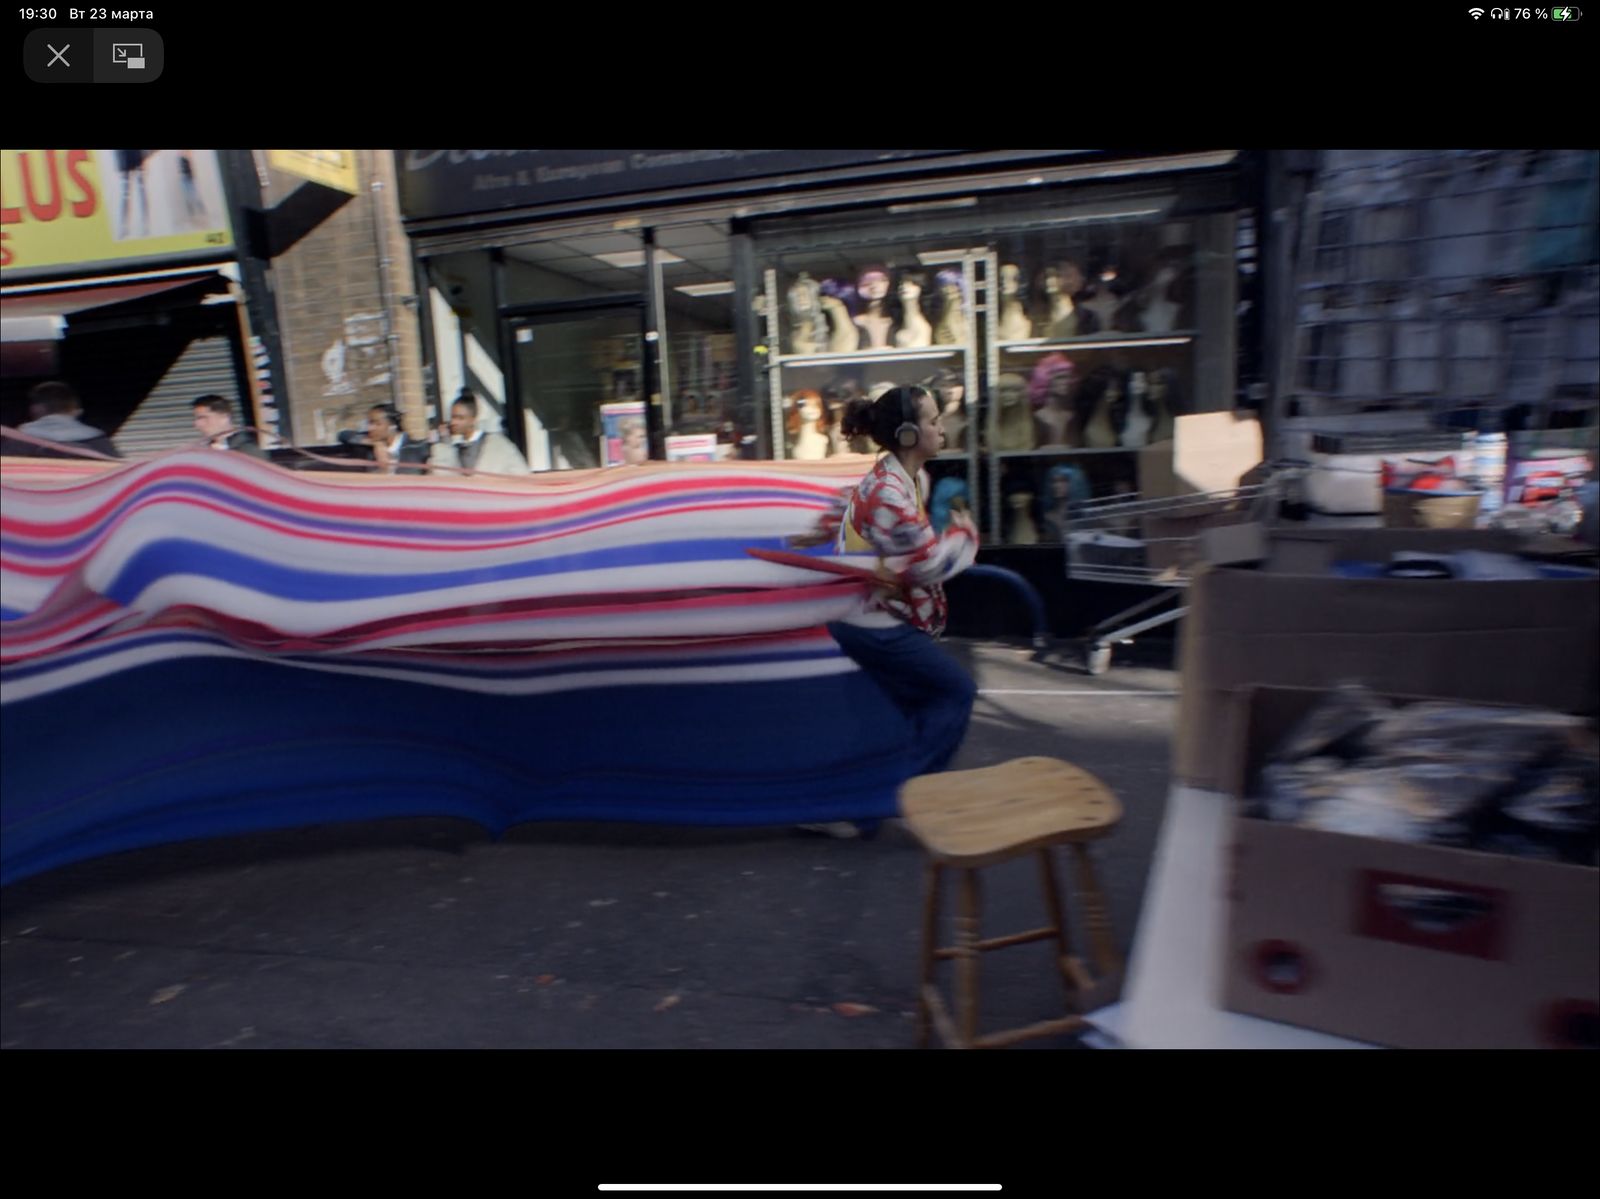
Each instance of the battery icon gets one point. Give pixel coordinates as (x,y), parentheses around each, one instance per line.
(1565,14)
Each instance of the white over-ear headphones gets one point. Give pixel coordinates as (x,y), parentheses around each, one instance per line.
(909,432)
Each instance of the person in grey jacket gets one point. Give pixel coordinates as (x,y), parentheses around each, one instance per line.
(466,445)
(56,410)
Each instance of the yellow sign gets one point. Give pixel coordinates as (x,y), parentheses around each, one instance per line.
(81,207)
(331,168)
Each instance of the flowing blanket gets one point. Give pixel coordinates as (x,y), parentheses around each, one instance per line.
(205,644)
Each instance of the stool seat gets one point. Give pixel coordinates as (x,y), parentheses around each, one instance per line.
(983,816)
(969,819)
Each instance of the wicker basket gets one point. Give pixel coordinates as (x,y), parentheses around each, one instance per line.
(1405,508)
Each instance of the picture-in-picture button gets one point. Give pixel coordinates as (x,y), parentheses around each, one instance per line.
(128,55)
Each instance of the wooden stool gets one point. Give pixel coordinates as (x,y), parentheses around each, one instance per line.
(968,819)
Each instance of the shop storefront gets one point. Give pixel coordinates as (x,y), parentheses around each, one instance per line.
(118,276)
(1065,306)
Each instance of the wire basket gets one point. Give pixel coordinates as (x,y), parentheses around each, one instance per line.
(1153,541)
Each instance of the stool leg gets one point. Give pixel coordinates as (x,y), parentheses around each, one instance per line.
(930,943)
(1108,963)
(1052,898)
(967,942)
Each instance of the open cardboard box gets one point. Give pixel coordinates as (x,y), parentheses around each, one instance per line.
(1286,621)
(1208,452)
(1345,934)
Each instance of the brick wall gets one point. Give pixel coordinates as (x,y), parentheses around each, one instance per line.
(347,317)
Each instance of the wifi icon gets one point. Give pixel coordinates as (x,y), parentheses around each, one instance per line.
(1476,13)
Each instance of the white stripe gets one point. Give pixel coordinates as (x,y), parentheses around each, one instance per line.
(808,1187)
(1070,691)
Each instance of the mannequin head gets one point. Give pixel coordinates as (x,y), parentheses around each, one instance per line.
(1164,390)
(873,285)
(1010,279)
(1011,391)
(910,289)
(808,405)
(803,293)
(952,287)
(1071,276)
(951,389)
(1051,382)
(945,492)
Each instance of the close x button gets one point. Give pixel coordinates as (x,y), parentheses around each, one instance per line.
(59,55)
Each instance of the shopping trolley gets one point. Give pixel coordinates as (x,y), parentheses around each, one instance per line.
(1152,543)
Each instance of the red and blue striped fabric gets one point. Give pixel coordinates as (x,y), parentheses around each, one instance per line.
(203,644)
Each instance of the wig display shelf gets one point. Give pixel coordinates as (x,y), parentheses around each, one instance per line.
(1096,341)
(868,357)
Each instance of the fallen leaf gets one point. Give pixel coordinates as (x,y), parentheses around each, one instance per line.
(670,1001)
(601,903)
(853,1009)
(544,980)
(167,993)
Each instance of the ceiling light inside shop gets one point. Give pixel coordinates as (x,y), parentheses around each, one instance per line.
(1130,210)
(633,259)
(945,257)
(723,287)
(930,205)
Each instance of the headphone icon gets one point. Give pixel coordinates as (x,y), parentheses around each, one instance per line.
(909,432)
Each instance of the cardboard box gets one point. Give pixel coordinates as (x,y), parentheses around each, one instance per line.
(1209,451)
(1418,946)
(1290,623)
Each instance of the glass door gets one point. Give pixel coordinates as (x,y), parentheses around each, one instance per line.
(579,384)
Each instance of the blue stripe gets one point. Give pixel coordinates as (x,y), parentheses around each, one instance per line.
(181,556)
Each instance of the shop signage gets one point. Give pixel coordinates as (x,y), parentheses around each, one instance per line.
(435,183)
(331,168)
(90,208)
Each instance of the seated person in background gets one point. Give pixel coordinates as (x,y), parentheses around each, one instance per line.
(386,443)
(213,417)
(55,410)
(469,447)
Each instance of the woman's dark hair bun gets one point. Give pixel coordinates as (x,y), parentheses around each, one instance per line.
(857,419)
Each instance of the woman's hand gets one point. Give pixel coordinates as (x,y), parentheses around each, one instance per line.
(807,540)
(888,583)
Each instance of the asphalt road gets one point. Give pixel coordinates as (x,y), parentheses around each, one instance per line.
(426,934)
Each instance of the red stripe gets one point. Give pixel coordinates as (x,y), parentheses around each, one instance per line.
(32,569)
(391,512)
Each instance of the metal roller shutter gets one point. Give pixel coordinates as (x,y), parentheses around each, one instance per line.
(165,420)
